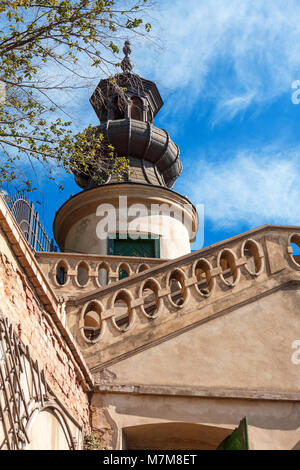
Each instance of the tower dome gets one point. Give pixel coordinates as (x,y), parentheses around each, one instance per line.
(126,106)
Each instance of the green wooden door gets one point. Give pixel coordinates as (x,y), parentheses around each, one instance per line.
(238,440)
(144,248)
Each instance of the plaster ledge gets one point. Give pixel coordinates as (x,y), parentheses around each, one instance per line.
(198,392)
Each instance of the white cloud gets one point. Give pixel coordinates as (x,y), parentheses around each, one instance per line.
(248,188)
(230,51)
(228,108)
(234,53)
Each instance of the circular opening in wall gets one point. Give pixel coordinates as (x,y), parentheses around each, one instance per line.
(92,322)
(103,272)
(123,271)
(150,299)
(82,274)
(178,290)
(295,246)
(251,253)
(122,311)
(229,268)
(61,273)
(204,280)
(142,268)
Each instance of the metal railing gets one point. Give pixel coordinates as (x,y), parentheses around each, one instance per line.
(24,390)
(28,221)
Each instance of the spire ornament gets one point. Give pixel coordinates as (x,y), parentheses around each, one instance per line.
(126,63)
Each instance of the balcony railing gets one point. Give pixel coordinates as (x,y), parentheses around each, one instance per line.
(28,221)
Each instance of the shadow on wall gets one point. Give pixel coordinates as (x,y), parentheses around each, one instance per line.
(173,436)
(297,446)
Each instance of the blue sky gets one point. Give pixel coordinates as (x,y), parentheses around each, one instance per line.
(225,70)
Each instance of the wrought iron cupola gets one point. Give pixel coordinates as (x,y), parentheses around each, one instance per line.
(126,105)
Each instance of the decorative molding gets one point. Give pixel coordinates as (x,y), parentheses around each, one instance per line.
(198,392)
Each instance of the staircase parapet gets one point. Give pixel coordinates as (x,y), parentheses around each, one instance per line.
(132,314)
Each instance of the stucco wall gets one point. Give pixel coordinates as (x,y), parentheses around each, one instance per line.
(249,348)
(272,424)
(83,221)
(173,236)
(236,365)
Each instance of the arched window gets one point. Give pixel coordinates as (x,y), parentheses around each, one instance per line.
(118,111)
(149,115)
(136,108)
(61,273)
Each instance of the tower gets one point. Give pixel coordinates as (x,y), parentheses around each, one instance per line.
(196,352)
(137,214)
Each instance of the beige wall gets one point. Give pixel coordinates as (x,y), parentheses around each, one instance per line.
(47,433)
(249,348)
(272,424)
(82,237)
(213,375)
(174,237)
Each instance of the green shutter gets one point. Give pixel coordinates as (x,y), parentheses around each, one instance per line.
(238,440)
(142,248)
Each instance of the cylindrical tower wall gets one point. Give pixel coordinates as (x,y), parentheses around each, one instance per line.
(132,211)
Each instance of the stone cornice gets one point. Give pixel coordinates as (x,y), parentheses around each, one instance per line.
(197,392)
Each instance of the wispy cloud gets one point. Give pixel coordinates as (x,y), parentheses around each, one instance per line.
(235,53)
(227,109)
(247,188)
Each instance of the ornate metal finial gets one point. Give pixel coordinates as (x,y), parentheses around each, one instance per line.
(126,63)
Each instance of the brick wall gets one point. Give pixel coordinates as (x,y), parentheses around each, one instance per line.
(19,302)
